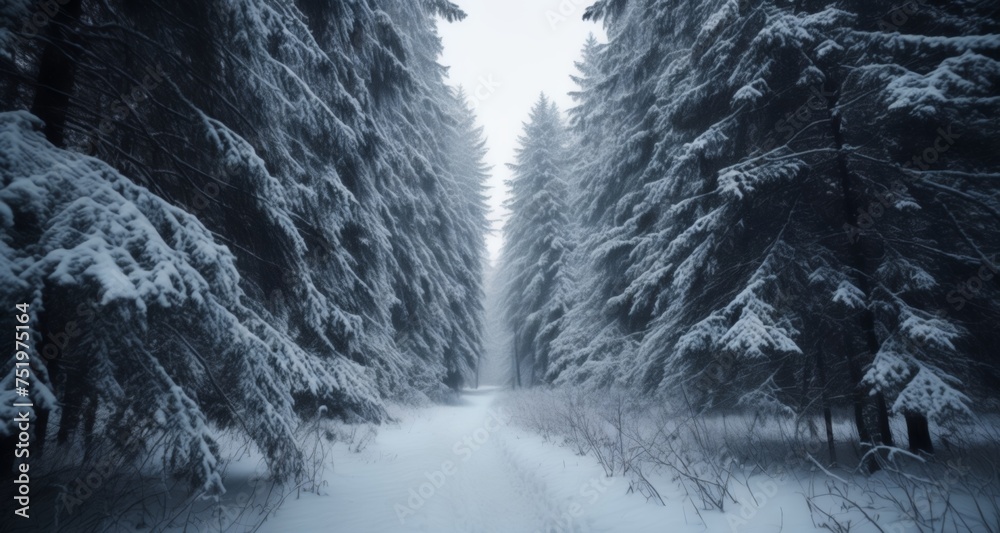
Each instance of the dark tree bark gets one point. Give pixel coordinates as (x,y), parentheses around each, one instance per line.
(479,364)
(885,431)
(918,432)
(56,72)
(825,400)
(517,362)
(12,82)
(858,262)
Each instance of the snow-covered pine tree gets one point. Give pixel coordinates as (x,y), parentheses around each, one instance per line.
(437,215)
(232,230)
(471,172)
(739,147)
(928,85)
(157,107)
(537,244)
(95,253)
(586,144)
(616,120)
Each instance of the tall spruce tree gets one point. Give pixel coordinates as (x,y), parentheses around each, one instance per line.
(779,200)
(536,244)
(219,186)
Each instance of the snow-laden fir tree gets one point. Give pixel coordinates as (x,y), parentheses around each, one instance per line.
(437,215)
(570,360)
(774,216)
(533,262)
(468,163)
(94,252)
(233,235)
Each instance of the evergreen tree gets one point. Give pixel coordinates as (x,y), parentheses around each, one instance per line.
(747,235)
(226,187)
(437,214)
(536,245)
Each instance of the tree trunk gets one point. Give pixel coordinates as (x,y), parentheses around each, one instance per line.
(828,419)
(41,427)
(858,397)
(517,361)
(884,429)
(13,81)
(56,72)
(858,262)
(825,400)
(479,363)
(918,432)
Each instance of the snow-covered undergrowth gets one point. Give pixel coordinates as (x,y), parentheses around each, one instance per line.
(114,495)
(753,472)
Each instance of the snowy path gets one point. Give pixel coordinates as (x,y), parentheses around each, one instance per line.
(463,469)
(448,469)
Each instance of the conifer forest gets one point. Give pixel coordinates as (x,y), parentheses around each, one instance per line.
(473,266)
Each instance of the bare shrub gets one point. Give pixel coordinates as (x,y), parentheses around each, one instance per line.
(711,455)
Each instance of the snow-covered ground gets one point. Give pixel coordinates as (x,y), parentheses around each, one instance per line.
(503,461)
(465,469)
(458,468)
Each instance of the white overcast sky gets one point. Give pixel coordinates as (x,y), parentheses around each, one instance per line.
(505,53)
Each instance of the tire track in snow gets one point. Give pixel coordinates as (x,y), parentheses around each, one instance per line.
(492,490)
(398,483)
